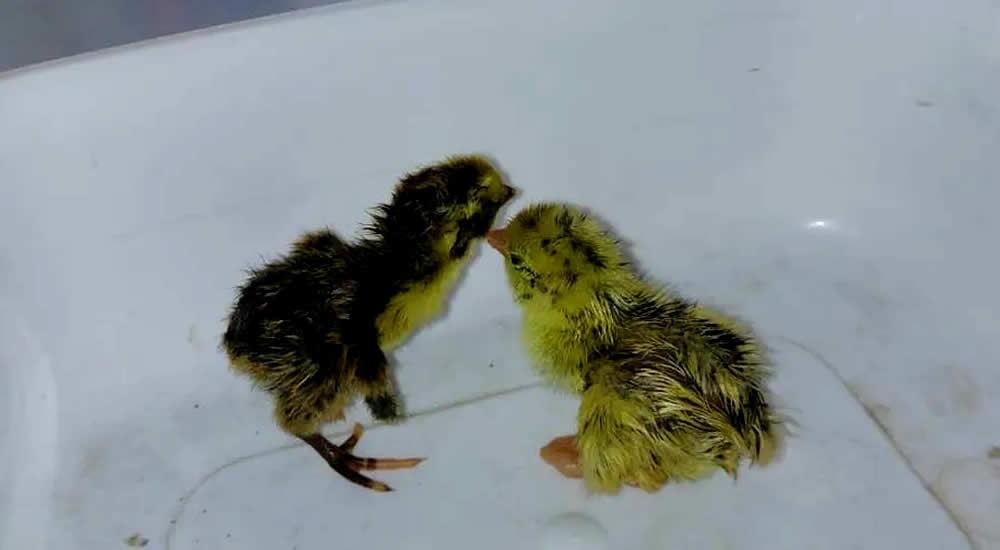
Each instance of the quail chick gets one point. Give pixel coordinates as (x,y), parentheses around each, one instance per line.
(312,327)
(670,389)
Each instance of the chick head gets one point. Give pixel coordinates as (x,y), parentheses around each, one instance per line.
(452,202)
(556,252)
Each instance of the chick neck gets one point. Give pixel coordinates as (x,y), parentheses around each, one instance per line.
(600,309)
(570,330)
(403,258)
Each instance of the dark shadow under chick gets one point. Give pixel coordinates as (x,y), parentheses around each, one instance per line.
(312,327)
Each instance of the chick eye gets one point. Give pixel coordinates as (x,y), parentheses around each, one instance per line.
(515,260)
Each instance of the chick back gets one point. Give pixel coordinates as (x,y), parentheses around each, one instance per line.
(680,391)
(717,362)
(296,320)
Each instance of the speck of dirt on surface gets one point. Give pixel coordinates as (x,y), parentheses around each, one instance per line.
(994,452)
(196,405)
(204,510)
(491,364)
(924,103)
(753,70)
(137,541)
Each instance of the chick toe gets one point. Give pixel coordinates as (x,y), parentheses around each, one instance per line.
(336,458)
(384,463)
(347,465)
(356,433)
(362,463)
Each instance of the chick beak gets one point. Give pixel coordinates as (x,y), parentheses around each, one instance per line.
(497,238)
(509,192)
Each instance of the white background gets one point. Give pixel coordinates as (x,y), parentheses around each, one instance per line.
(826,170)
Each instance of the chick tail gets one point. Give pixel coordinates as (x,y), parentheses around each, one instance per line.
(769,443)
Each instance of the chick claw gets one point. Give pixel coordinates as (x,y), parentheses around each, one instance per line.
(339,458)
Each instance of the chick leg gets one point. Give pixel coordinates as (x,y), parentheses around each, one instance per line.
(380,392)
(346,464)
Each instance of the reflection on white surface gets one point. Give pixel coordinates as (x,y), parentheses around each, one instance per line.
(139,185)
(819,224)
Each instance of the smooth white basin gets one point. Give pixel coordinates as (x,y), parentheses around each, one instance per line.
(827,170)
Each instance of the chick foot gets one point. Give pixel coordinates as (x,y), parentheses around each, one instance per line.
(562,454)
(339,458)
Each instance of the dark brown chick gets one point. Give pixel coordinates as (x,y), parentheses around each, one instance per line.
(312,328)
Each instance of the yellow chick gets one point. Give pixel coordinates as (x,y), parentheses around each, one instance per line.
(670,389)
(311,328)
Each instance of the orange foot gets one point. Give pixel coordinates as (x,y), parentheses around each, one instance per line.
(562,454)
(339,458)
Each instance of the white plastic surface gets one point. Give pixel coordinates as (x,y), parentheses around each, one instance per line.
(827,170)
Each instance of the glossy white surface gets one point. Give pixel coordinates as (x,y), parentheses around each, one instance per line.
(825,170)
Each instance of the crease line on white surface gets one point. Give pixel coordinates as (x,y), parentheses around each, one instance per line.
(887,434)
(168,536)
